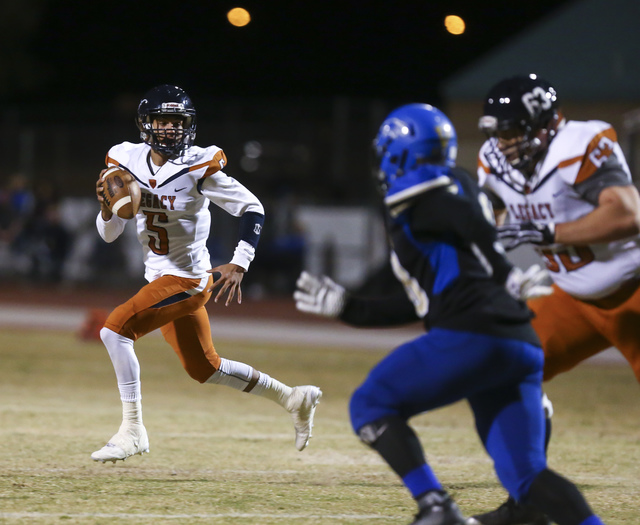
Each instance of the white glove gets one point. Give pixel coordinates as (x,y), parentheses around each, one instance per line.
(528,285)
(319,295)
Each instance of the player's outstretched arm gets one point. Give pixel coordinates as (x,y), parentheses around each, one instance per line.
(322,296)
(616,217)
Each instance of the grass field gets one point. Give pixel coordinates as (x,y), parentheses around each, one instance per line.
(219,456)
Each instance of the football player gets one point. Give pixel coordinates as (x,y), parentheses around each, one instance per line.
(479,344)
(565,188)
(178,181)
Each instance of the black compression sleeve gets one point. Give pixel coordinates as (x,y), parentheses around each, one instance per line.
(250,227)
(390,310)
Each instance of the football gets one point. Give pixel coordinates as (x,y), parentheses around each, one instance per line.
(121,193)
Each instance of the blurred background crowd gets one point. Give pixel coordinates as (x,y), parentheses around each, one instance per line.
(294,99)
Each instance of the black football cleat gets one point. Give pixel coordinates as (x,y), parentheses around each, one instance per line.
(511,513)
(437,508)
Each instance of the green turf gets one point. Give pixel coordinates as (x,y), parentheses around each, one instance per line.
(220,456)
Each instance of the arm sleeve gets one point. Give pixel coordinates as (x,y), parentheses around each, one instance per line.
(250,228)
(380,301)
(392,310)
(112,229)
(446,212)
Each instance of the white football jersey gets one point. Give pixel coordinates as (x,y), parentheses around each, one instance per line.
(173,221)
(576,154)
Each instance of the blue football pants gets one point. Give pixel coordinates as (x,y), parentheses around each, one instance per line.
(500,378)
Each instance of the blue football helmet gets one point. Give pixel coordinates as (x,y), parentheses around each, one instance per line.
(415,145)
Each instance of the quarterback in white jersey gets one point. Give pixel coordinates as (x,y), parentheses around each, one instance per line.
(178,181)
(174,220)
(564,187)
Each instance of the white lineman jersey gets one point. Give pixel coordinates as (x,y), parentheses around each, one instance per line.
(173,221)
(580,153)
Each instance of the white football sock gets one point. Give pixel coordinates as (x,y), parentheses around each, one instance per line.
(125,364)
(243,377)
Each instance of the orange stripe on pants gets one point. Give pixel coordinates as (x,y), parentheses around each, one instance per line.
(184,324)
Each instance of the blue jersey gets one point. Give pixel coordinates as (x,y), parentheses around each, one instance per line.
(445,253)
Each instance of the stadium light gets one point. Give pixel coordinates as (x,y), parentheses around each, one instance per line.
(454,24)
(238,17)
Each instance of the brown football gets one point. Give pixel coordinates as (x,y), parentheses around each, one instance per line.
(121,193)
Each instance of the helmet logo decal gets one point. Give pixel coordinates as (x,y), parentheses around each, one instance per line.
(536,101)
(394,128)
(173,106)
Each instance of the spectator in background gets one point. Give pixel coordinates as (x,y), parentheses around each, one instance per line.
(42,243)
(16,204)
(281,261)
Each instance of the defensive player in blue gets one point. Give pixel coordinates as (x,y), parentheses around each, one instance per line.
(479,344)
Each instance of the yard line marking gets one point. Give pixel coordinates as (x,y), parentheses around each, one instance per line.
(360,517)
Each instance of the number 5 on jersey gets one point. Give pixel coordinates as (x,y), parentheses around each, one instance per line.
(160,244)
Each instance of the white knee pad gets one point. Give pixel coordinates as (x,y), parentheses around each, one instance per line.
(547,406)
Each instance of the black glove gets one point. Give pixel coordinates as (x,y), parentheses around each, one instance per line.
(514,235)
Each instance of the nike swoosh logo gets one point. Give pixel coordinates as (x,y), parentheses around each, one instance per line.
(180,189)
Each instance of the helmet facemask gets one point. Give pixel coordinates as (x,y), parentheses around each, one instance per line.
(168,140)
(521,144)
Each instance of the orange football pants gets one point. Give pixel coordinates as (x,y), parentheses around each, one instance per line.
(182,319)
(572,330)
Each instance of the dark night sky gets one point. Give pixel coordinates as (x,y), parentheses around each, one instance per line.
(88,50)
